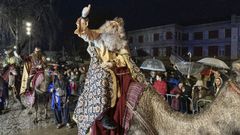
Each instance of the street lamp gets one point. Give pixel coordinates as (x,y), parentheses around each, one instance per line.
(28,24)
(28,32)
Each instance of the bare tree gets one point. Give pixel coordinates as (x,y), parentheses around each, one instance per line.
(42,14)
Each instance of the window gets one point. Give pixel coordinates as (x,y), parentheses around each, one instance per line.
(197,51)
(130,40)
(142,52)
(221,52)
(213,34)
(155,52)
(175,49)
(228,33)
(227,50)
(198,35)
(169,35)
(184,51)
(162,52)
(185,36)
(140,39)
(213,51)
(156,37)
(168,51)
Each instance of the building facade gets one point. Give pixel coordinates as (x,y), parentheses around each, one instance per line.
(218,39)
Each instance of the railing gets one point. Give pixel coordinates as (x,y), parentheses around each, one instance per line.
(204,101)
(188,103)
(183,104)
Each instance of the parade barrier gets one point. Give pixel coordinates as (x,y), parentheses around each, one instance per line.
(202,103)
(186,103)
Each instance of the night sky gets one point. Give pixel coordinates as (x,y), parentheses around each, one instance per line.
(146,13)
(143,13)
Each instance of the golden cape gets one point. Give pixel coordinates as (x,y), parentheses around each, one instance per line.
(25,76)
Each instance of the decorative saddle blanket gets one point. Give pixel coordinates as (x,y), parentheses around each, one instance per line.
(134,94)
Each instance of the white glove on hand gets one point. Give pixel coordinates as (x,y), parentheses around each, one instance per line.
(86,11)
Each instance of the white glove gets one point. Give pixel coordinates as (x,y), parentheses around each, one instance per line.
(51,90)
(86,11)
(39,66)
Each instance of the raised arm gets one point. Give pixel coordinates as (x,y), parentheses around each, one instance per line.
(82,27)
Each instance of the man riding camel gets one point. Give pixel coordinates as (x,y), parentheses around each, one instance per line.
(101,107)
(38,63)
(11,76)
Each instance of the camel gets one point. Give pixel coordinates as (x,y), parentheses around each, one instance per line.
(222,117)
(39,92)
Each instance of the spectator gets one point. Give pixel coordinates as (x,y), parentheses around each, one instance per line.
(160,85)
(152,78)
(73,83)
(172,82)
(199,91)
(176,100)
(217,86)
(185,102)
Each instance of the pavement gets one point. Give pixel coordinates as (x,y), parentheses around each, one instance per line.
(51,130)
(17,121)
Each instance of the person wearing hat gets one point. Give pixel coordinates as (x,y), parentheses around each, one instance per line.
(215,89)
(110,72)
(10,75)
(38,62)
(199,91)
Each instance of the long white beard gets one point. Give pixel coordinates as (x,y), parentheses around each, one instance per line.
(113,42)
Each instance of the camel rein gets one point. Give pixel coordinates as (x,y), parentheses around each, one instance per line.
(145,123)
(234,87)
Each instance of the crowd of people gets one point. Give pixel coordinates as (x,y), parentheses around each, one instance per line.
(65,81)
(23,76)
(102,89)
(183,93)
